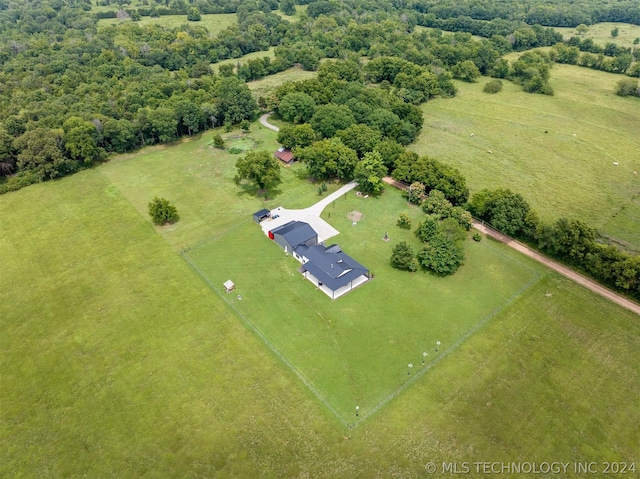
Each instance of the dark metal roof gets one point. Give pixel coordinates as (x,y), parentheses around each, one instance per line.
(295,232)
(261,213)
(330,265)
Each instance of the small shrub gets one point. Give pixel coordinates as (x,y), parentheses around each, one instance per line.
(404,221)
(403,257)
(162,212)
(235,150)
(627,87)
(494,86)
(245,125)
(228,126)
(476,237)
(218,142)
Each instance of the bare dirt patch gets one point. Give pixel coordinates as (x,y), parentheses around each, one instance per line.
(355,215)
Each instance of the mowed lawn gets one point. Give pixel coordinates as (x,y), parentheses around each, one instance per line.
(117,359)
(558,151)
(355,351)
(198,179)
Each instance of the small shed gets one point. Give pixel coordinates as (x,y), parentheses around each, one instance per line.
(261,215)
(229,286)
(285,155)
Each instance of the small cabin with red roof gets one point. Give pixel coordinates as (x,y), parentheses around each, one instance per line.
(285,155)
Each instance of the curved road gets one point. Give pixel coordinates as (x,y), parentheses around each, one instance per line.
(263,121)
(554,265)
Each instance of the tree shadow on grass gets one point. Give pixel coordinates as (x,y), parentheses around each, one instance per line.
(248,189)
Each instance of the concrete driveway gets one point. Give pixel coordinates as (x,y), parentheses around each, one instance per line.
(309,215)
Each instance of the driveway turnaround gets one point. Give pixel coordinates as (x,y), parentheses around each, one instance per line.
(311,215)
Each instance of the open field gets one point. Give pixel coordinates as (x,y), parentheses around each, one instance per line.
(355,350)
(268,84)
(601,33)
(558,152)
(244,58)
(199,181)
(117,359)
(214,23)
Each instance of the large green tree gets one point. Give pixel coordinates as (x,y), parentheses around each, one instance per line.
(330,118)
(233,100)
(360,138)
(260,168)
(80,139)
(504,210)
(296,136)
(40,151)
(329,158)
(296,107)
(369,173)
(441,255)
(7,153)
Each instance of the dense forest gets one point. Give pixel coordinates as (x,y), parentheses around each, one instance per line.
(71,92)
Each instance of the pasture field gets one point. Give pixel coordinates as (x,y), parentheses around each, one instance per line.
(117,359)
(356,350)
(559,152)
(601,33)
(244,58)
(267,85)
(214,23)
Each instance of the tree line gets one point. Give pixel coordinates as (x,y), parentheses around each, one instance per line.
(571,241)
(87,91)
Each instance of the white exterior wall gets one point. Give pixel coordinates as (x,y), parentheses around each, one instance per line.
(340,291)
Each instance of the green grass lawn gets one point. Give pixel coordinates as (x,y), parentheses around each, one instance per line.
(214,23)
(199,181)
(557,151)
(356,350)
(601,33)
(117,359)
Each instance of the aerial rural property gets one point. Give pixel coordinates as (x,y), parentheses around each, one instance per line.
(326,239)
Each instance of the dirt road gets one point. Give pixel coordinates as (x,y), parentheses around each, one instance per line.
(264,122)
(548,262)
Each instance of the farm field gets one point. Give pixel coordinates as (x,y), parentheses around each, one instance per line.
(214,23)
(601,33)
(356,350)
(117,358)
(559,152)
